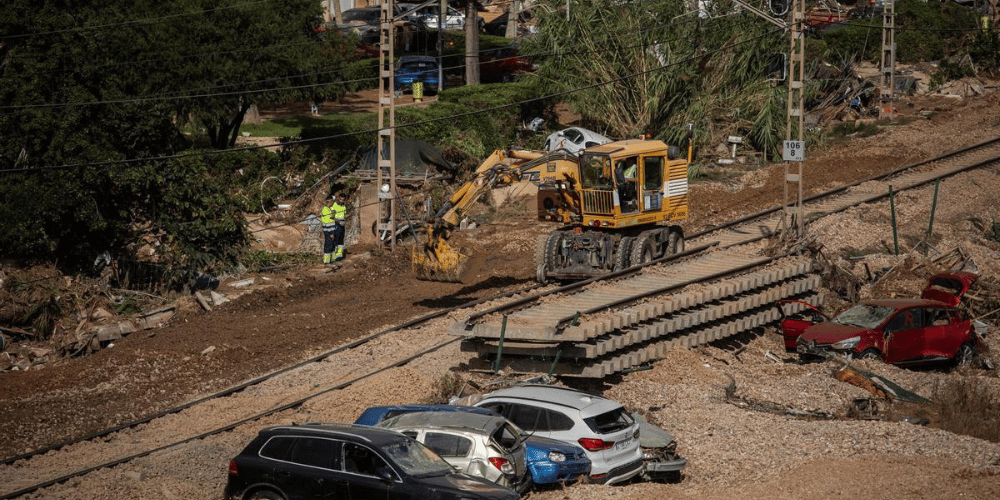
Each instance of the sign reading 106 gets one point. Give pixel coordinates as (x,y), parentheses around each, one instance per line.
(794,151)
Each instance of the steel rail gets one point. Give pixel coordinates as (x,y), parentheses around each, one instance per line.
(263,378)
(226,428)
(470,321)
(416,321)
(563,322)
(830,192)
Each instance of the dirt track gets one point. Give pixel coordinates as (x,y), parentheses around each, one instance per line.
(729,447)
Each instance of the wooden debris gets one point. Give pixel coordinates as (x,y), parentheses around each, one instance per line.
(201,300)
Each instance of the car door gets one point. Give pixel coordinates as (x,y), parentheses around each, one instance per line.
(453,448)
(313,470)
(946,330)
(796,316)
(370,476)
(904,336)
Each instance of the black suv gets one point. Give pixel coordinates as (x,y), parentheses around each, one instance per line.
(348,462)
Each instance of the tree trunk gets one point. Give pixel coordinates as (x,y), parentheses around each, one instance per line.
(471,44)
(234,124)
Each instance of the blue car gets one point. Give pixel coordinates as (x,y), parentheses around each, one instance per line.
(549,461)
(412,69)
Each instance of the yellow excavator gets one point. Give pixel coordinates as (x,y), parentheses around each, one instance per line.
(611,203)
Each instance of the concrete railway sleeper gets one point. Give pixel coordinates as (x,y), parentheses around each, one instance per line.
(678,318)
(549,321)
(670,323)
(551,359)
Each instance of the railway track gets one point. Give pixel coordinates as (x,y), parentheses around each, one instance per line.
(727,287)
(589,329)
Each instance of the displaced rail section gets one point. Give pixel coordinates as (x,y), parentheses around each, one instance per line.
(631,318)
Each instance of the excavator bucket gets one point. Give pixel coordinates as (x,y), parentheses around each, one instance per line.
(440,263)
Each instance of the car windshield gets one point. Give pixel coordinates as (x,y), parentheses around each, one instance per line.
(417,66)
(416,459)
(864,315)
(360,15)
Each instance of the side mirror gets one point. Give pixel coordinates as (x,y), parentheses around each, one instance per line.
(385,474)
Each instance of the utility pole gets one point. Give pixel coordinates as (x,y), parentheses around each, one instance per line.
(794,146)
(386,165)
(888,66)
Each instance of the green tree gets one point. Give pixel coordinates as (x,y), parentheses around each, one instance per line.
(92,92)
(651,67)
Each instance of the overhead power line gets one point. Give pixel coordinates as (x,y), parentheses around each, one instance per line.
(375,130)
(150,20)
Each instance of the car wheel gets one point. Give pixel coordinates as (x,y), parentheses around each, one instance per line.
(965,354)
(266,495)
(506,77)
(870,354)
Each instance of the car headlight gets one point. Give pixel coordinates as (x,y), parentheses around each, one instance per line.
(555,456)
(850,343)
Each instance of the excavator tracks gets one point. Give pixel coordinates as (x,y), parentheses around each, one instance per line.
(612,324)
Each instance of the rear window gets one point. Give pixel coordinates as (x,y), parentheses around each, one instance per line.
(448,445)
(506,437)
(534,419)
(612,421)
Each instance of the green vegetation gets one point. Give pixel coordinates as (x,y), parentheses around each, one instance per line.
(118,119)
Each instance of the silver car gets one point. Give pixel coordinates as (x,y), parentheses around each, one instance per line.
(600,426)
(486,446)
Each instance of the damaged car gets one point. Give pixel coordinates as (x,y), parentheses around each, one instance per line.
(610,434)
(905,332)
(550,462)
(485,446)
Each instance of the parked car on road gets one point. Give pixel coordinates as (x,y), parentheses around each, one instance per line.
(930,329)
(500,65)
(485,446)
(454,19)
(600,426)
(574,140)
(549,461)
(348,462)
(411,69)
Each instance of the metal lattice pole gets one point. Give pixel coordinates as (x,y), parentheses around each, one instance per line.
(888,69)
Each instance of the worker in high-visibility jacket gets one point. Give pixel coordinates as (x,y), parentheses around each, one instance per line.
(329,231)
(339,214)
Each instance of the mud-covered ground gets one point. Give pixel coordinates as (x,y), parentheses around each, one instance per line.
(733,451)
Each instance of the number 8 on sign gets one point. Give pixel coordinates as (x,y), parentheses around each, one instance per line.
(794,151)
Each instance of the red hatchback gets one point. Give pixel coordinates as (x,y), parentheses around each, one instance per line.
(898,331)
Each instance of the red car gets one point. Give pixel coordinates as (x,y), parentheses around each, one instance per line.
(898,331)
(500,65)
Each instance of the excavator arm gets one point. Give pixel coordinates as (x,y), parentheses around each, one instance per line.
(435,259)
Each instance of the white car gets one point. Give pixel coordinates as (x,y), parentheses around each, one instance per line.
(574,140)
(600,426)
(453,20)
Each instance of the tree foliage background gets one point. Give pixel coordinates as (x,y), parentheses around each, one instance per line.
(96,98)
(652,67)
